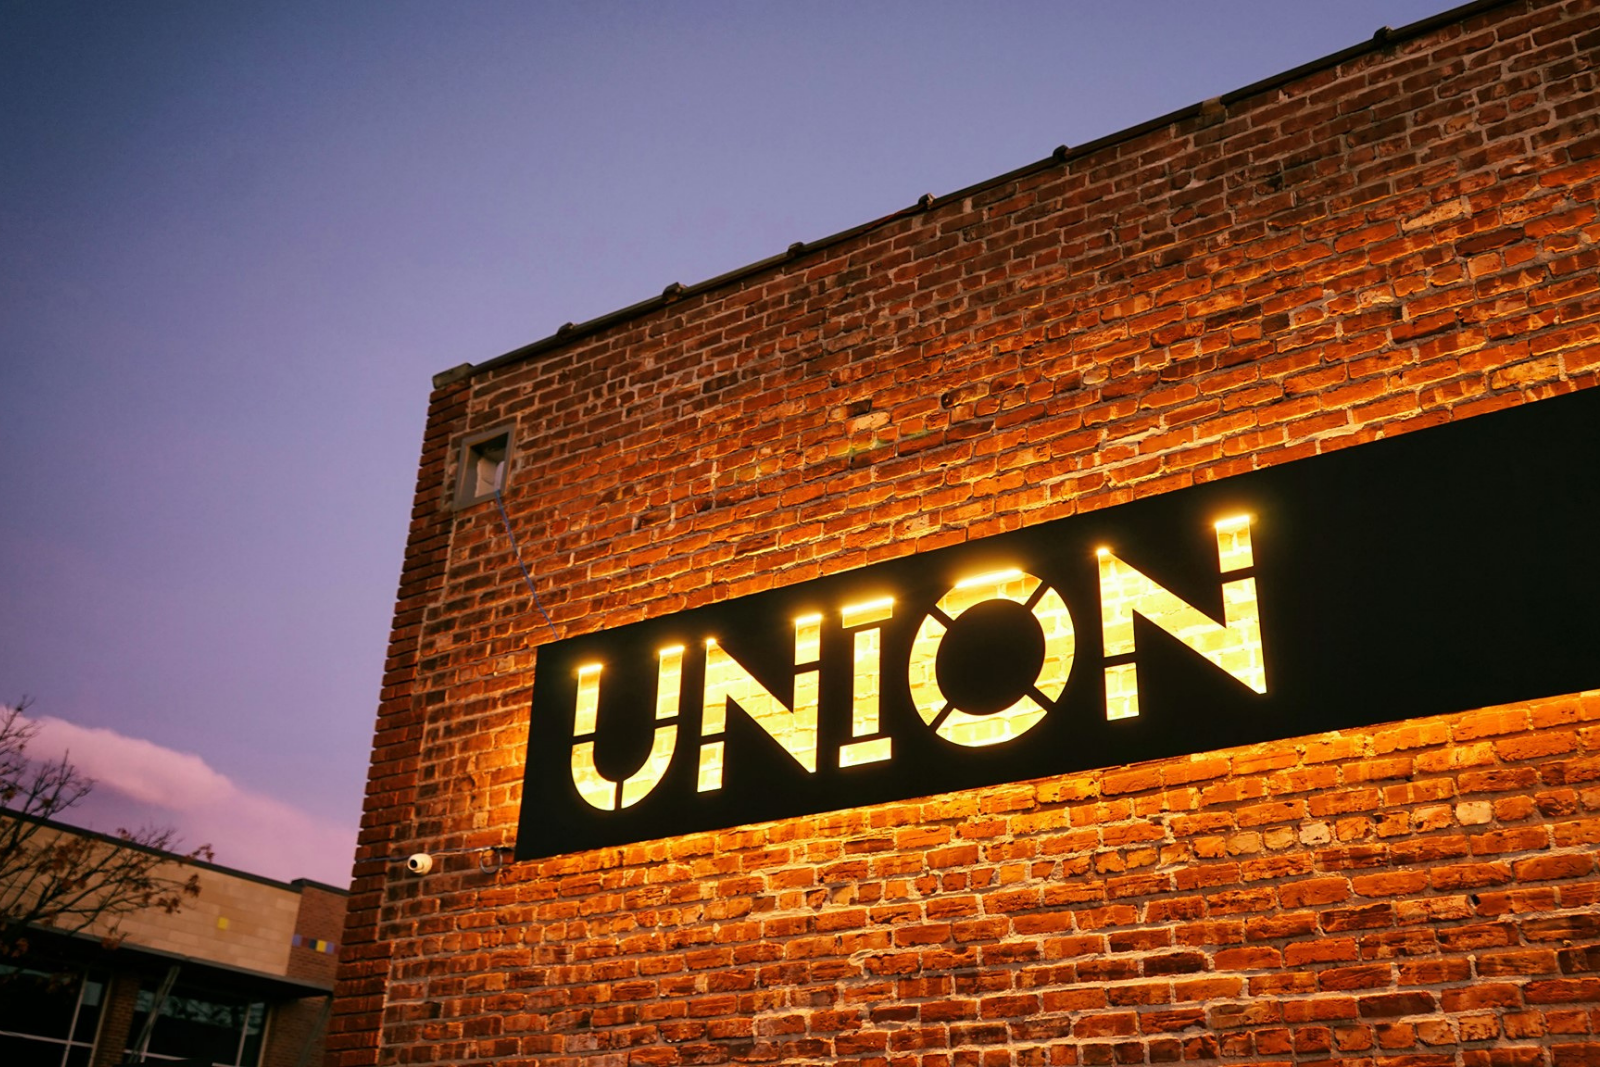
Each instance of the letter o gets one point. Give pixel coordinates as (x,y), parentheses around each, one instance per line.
(963,727)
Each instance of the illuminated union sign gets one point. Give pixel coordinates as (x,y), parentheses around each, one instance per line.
(1442,570)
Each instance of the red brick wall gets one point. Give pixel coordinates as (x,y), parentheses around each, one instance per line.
(295,1033)
(1397,240)
(320,918)
(116,1019)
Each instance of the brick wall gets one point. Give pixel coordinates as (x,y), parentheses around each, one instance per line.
(116,1019)
(1394,240)
(295,1033)
(320,919)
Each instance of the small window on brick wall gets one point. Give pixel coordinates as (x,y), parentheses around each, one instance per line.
(482,465)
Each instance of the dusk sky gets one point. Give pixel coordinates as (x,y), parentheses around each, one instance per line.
(236,241)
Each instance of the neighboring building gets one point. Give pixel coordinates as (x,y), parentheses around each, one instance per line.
(1313,777)
(240,976)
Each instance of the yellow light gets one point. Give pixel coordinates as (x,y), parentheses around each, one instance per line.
(1232,644)
(590,668)
(711,642)
(728,685)
(808,620)
(672,650)
(857,753)
(1102,551)
(870,605)
(928,697)
(992,578)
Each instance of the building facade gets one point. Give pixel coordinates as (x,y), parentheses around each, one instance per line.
(240,976)
(1384,258)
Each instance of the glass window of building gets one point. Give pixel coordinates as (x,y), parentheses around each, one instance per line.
(202,1026)
(48,1020)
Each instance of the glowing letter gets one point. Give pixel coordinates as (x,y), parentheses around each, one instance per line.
(595,788)
(727,682)
(963,727)
(1233,645)
(865,684)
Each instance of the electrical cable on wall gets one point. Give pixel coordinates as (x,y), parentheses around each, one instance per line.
(490,858)
(516,552)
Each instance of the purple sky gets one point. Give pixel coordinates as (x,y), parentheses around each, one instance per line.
(237,240)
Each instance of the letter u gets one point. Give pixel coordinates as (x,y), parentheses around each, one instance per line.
(595,788)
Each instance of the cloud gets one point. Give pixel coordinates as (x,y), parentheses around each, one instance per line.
(138,783)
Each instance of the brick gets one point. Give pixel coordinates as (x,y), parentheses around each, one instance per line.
(1385,1005)
(1562,991)
(1480,996)
(1580,927)
(1501,964)
(1366,917)
(1346,978)
(1575,1054)
(1316,891)
(1253,1013)
(1580,960)
(1544,868)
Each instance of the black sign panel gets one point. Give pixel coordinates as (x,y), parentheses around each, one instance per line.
(1443,570)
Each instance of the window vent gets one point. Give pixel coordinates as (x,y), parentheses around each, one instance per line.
(482,466)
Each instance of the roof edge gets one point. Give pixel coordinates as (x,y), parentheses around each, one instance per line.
(170,856)
(1384,37)
(93,945)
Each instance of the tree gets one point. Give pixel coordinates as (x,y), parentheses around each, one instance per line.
(56,878)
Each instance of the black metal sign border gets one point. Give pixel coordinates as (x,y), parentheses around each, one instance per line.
(1450,568)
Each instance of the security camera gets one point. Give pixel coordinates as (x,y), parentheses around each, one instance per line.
(419,863)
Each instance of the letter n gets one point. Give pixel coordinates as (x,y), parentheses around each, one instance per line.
(727,682)
(1234,644)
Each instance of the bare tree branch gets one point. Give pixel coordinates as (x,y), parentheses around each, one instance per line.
(69,881)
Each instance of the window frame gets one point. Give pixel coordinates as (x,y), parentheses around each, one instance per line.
(468,489)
